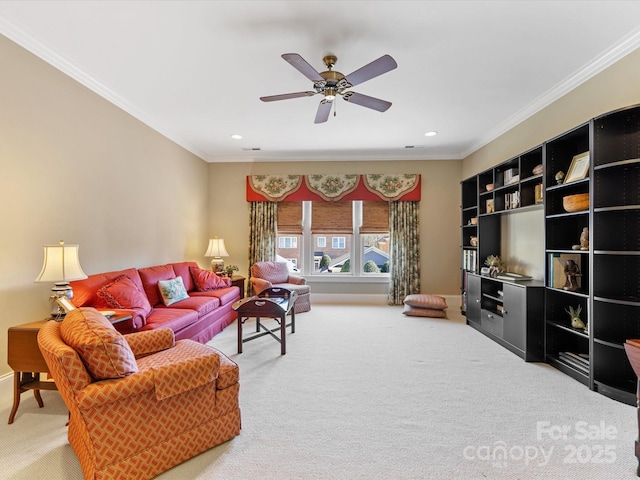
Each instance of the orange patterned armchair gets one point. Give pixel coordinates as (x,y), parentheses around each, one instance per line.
(276,274)
(140,403)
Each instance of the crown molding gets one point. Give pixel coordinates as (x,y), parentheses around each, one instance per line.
(616,53)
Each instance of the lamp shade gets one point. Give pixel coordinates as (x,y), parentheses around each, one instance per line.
(216,248)
(61,263)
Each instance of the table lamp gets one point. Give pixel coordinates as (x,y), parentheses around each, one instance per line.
(61,265)
(216,250)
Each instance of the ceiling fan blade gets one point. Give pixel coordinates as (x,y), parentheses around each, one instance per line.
(367,101)
(303,66)
(372,70)
(324,109)
(286,96)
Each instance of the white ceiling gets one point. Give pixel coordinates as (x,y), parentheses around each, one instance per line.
(194,70)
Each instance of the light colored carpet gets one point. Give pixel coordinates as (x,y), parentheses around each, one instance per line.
(367,393)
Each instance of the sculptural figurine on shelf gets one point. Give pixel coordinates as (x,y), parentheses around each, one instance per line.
(576,321)
(584,239)
(572,272)
(495,265)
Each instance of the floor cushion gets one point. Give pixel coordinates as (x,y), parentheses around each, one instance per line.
(425,305)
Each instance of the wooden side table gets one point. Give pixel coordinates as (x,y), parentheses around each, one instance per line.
(25,359)
(27,363)
(238,281)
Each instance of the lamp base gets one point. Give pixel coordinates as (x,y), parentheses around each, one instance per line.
(60,290)
(217,265)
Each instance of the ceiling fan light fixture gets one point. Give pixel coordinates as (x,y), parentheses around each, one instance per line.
(330,94)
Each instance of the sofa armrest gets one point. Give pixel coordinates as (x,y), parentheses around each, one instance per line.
(150,341)
(297,280)
(259,284)
(104,392)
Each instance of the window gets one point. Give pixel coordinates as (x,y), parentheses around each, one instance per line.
(337,243)
(287,242)
(358,233)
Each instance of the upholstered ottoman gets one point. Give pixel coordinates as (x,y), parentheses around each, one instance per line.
(303,302)
(425,305)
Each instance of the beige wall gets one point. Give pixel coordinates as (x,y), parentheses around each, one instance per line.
(77,168)
(439,215)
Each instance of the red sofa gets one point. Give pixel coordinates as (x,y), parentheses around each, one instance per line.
(199,317)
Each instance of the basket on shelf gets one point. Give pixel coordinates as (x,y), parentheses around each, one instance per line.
(576,203)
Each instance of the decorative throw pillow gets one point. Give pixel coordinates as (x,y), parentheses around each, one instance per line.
(423,300)
(104,351)
(423,312)
(122,293)
(172,291)
(207,280)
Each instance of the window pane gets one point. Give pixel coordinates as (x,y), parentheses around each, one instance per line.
(375,253)
(321,242)
(338,243)
(331,259)
(288,248)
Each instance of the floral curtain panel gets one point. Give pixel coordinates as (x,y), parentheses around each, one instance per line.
(404,229)
(262,232)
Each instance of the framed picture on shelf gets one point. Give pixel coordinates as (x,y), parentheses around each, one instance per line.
(558,276)
(490,206)
(578,169)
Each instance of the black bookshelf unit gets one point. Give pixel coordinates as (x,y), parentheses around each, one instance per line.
(616,250)
(562,231)
(606,287)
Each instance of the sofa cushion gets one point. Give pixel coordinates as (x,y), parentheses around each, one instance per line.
(150,277)
(85,292)
(172,291)
(422,300)
(205,280)
(182,269)
(174,318)
(225,295)
(104,351)
(122,293)
(200,304)
(423,312)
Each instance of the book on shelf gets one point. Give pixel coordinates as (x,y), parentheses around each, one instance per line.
(539,194)
(575,361)
(511,200)
(513,277)
(582,358)
(511,176)
(469,260)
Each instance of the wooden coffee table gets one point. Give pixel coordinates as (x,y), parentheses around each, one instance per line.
(274,303)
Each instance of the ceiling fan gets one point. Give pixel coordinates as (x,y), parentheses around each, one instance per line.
(332,83)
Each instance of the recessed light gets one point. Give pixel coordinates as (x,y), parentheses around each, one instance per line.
(235,136)
(432,133)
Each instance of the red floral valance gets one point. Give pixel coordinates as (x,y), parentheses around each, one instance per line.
(332,188)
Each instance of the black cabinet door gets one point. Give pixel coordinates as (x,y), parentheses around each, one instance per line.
(473,299)
(515,315)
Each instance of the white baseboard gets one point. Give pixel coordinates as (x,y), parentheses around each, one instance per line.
(6,391)
(453,301)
